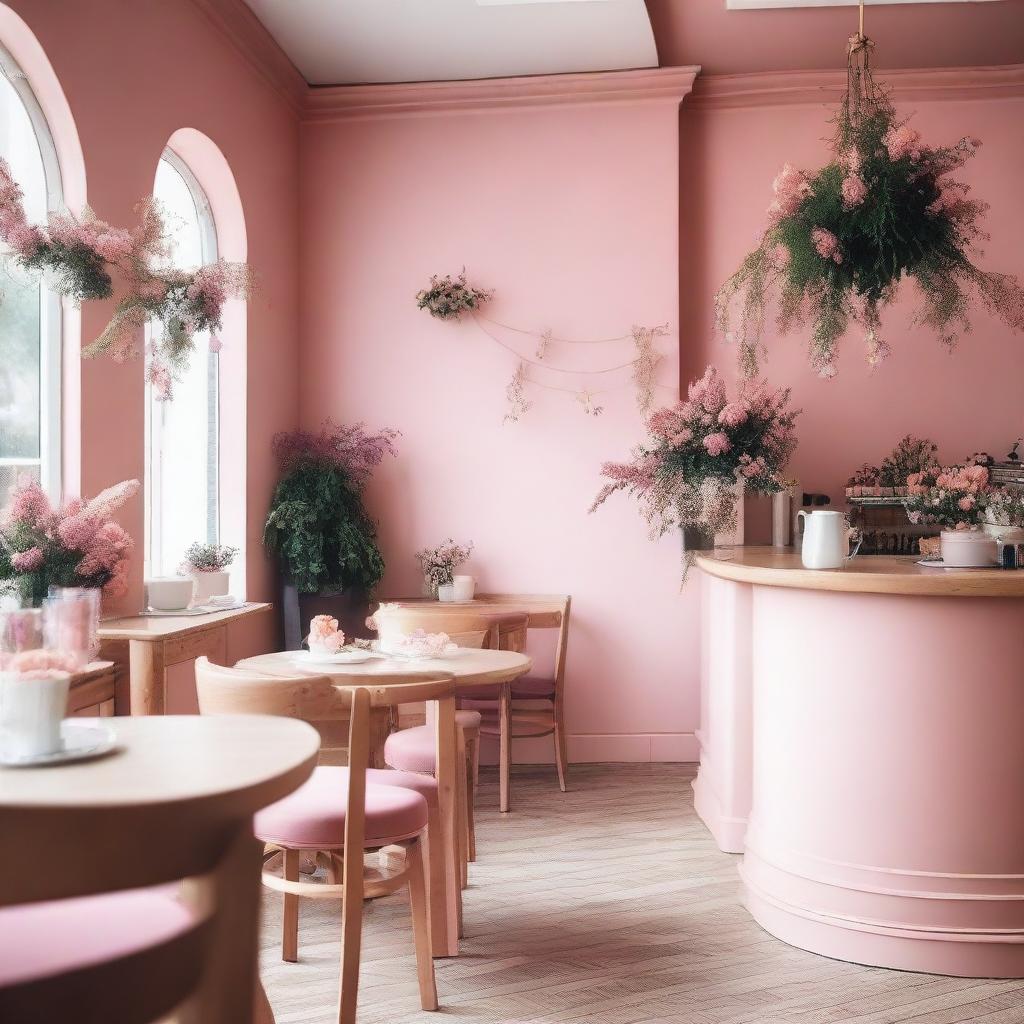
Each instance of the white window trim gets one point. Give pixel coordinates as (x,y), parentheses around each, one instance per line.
(50,313)
(154,477)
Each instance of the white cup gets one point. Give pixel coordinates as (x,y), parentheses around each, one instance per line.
(31,710)
(463,588)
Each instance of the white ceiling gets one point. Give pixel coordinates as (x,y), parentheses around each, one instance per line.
(335,42)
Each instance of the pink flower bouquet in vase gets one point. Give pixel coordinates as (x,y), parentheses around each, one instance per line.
(73,544)
(701,454)
(955,498)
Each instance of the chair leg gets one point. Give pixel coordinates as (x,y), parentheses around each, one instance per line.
(290,926)
(561,760)
(437,888)
(476,763)
(504,747)
(472,759)
(421,926)
(351,936)
(463,806)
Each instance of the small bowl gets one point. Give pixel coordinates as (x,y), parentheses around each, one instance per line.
(169,593)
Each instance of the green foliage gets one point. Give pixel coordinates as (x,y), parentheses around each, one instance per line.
(319,529)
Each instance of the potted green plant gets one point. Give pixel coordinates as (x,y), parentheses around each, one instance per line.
(207,566)
(318,527)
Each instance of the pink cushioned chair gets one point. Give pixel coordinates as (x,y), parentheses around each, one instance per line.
(342,811)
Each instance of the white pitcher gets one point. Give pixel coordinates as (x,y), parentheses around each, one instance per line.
(826,542)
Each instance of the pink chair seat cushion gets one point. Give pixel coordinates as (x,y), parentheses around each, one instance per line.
(425,785)
(313,817)
(415,750)
(43,940)
(412,750)
(524,688)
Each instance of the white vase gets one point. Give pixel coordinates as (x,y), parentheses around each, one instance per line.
(446,592)
(210,584)
(967,549)
(31,711)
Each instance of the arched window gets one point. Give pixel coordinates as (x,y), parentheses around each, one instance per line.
(182,442)
(30,328)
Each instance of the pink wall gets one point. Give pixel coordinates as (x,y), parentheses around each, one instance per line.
(133,73)
(570,213)
(966,400)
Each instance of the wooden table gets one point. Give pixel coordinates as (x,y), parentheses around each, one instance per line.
(148,645)
(470,668)
(175,800)
(93,689)
(538,610)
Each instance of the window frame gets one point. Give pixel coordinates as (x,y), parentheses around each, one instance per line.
(51,319)
(209,249)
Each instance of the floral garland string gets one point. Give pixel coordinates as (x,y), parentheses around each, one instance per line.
(449,298)
(81,255)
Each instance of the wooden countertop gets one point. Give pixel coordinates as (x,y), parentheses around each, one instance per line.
(162,627)
(866,574)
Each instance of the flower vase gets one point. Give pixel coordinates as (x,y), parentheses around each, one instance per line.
(209,584)
(446,592)
(967,549)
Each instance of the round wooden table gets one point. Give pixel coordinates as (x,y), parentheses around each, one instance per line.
(175,800)
(470,667)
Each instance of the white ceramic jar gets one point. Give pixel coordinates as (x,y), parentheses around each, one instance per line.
(967,549)
(169,593)
(463,588)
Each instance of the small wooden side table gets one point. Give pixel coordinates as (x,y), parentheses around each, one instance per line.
(148,645)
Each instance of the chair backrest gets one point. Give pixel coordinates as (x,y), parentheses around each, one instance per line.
(318,699)
(545,611)
(466,628)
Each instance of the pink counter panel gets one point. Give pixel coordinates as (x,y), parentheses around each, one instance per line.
(861,743)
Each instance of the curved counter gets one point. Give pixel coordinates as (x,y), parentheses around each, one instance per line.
(861,744)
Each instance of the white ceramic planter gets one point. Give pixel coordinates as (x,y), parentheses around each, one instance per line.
(169,593)
(210,584)
(446,592)
(31,711)
(967,549)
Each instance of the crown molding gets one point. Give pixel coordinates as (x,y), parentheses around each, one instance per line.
(247,34)
(785,88)
(354,102)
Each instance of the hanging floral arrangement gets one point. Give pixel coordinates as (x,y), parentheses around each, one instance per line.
(840,240)
(81,256)
(448,298)
(685,476)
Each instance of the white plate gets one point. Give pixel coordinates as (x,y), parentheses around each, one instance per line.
(81,742)
(338,658)
(451,652)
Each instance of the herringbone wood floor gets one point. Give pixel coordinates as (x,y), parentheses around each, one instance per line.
(608,904)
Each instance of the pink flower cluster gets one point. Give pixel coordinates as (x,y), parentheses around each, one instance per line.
(324,635)
(902,140)
(353,449)
(791,187)
(36,533)
(826,245)
(953,496)
(854,191)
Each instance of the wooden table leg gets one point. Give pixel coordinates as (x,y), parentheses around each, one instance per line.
(231,980)
(446,796)
(146,677)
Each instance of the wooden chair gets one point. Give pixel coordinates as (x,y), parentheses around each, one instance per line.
(534,705)
(342,812)
(410,749)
